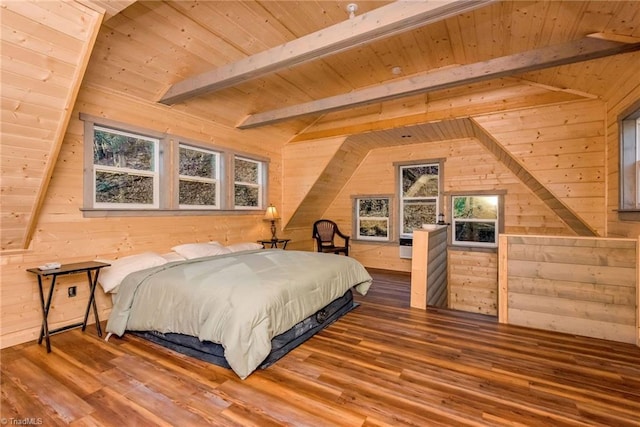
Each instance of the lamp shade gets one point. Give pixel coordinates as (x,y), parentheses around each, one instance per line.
(271,213)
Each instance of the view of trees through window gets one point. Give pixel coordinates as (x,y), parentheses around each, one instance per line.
(420,186)
(198,171)
(247,182)
(373,218)
(475,219)
(137,169)
(125,167)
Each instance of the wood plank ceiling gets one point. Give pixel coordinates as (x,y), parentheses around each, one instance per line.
(45,50)
(148,46)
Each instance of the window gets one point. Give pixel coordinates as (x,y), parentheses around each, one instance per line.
(372,218)
(247,183)
(125,169)
(475,220)
(198,179)
(419,196)
(129,169)
(630,161)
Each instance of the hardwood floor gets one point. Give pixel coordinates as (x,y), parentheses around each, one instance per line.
(382,364)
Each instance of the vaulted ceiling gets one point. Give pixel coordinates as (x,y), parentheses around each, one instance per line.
(498,54)
(151,46)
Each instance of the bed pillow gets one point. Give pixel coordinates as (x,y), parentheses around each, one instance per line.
(247,246)
(199,250)
(173,256)
(111,277)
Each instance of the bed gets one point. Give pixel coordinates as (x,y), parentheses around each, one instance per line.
(242,309)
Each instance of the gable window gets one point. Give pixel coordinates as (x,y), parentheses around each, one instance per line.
(372,218)
(198,179)
(475,220)
(419,196)
(248,183)
(630,162)
(125,169)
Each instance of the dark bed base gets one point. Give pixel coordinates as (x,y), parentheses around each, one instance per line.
(280,345)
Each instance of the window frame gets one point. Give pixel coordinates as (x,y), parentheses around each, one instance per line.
(216,179)
(154,172)
(629,163)
(356,218)
(168,158)
(261,177)
(500,194)
(400,166)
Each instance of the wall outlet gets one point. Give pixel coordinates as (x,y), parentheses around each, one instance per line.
(71,291)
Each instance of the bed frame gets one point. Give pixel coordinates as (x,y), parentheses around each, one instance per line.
(280,345)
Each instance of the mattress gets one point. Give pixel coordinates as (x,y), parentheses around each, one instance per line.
(280,345)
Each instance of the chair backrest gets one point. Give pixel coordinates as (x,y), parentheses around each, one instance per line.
(324,230)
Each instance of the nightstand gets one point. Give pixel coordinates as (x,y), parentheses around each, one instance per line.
(273,243)
(65,269)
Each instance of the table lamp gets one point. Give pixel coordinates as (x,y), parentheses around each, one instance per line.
(271,214)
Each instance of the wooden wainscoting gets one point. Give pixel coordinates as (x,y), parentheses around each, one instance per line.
(429,268)
(383,364)
(577,285)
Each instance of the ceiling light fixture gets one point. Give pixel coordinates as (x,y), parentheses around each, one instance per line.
(351,8)
(396,70)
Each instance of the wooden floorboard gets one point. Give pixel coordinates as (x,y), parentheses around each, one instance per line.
(383,364)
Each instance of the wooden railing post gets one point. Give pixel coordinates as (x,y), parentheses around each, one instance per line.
(503,282)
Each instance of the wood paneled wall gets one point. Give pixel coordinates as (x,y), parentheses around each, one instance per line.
(584,286)
(45,50)
(468,167)
(64,235)
(303,164)
(429,268)
(473,281)
(562,145)
(626,95)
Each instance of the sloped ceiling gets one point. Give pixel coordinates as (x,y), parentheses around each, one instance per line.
(150,46)
(45,51)
(147,46)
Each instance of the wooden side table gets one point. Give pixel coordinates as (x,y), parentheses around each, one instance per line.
(79,267)
(273,243)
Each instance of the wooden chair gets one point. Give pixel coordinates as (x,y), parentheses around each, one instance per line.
(324,232)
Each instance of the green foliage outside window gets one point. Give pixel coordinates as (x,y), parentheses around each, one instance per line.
(475,220)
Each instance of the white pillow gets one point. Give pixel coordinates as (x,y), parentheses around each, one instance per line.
(248,246)
(111,277)
(199,250)
(173,256)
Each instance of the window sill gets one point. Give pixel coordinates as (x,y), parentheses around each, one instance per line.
(628,214)
(105,213)
(374,242)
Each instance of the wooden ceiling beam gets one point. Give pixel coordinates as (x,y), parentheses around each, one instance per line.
(383,22)
(110,8)
(591,47)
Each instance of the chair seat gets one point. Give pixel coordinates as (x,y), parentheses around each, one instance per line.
(324,232)
(334,249)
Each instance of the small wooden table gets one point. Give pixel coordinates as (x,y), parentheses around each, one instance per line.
(273,243)
(79,267)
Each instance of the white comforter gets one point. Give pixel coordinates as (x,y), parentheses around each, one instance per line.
(240,300)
